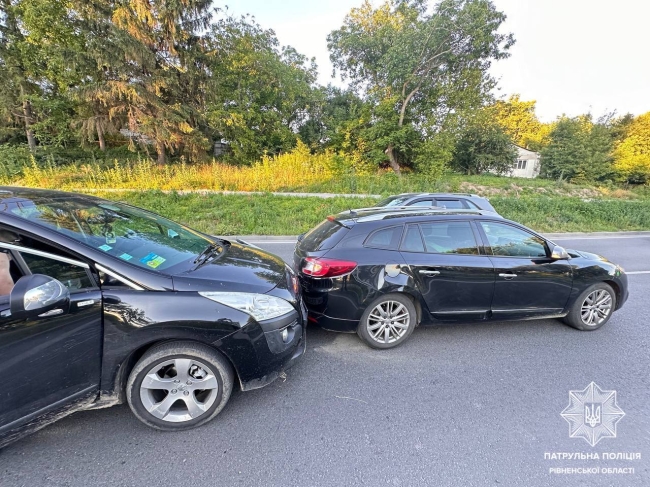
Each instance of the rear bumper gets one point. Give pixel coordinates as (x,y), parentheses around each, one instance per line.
(333,324)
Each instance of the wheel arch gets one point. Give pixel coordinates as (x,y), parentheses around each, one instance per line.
(118,393)
(417,302)
(617,291)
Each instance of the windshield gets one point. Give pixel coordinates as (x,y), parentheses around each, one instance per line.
(136,236)
(393,201)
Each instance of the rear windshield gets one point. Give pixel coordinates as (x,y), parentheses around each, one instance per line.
(323,237)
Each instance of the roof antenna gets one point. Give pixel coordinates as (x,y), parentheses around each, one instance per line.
(353,213)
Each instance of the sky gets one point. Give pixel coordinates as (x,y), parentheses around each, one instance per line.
(571,56)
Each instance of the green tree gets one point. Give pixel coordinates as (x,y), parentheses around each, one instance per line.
(20,69)
(259,94)
(152,85)
(519,121)
(579,150)
(632,153)
(332,117)
(49,48)
(484,147)
(415,66)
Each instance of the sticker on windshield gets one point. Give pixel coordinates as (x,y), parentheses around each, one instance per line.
(171,233)
(152,260)
(105,247)
(126,256)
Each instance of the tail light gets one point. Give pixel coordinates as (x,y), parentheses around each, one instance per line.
(321,267)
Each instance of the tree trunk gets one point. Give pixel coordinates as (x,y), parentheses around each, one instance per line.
(100,137)
(390,151)
(160,148)
(402,113)
(29,119)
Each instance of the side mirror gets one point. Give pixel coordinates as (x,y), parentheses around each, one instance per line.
(38,296)
(559,253)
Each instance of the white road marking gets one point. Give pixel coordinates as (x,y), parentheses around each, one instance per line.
(638,272)
(598,238)
(264,242)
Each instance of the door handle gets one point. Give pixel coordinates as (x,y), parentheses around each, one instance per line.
(52,312)
(429,273)
(508,276)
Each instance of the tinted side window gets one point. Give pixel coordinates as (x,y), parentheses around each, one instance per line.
(385,238)
(449,238)
(507,240)
(412,240)
(450,204)
(423,203)
(72,276)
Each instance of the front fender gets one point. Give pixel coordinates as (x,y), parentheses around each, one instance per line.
(588,272)
(136,320)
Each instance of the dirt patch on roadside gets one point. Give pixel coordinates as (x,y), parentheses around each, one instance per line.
(559,190)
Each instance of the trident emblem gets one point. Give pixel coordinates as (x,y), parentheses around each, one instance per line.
(592,414)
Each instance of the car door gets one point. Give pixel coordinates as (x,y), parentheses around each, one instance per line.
(528,282)
(445,261)
(52,362)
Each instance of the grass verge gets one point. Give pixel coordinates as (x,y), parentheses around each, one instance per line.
(282,215)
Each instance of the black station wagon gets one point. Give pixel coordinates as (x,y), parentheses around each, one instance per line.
(380,272)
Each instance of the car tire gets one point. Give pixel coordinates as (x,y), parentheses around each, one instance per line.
(595,315)
(164,388)
(388,321)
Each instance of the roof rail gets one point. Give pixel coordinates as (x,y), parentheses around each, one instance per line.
(463,194)
(433,211)
(395,208)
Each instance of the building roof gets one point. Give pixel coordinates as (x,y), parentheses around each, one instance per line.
(526,150)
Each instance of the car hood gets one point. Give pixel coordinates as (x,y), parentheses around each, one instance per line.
(239,269)
(587,255)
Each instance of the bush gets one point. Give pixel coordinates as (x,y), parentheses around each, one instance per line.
(12,160)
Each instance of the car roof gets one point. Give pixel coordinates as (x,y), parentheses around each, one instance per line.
(352,217)
(19,194)
(443,195)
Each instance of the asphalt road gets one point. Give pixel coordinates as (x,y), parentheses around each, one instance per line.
(457,405)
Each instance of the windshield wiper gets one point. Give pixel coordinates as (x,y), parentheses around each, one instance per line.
(207,254)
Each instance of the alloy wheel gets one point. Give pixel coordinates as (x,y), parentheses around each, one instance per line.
(180,389)
(596,307)
(388,322)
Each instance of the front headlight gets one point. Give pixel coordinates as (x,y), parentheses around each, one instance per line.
(259,306)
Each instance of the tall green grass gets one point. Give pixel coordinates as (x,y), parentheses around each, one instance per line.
(296,171)
(241,214)
(282,215)
(561,214)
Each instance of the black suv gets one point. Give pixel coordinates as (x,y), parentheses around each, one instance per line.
(380,273)
(102,303)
